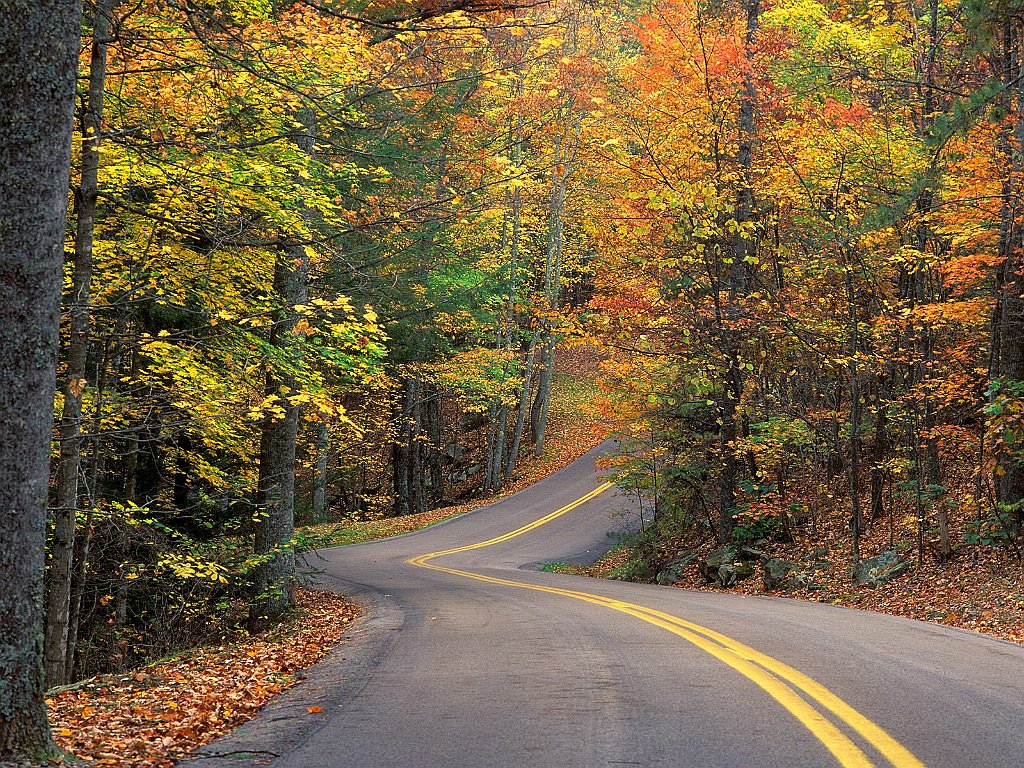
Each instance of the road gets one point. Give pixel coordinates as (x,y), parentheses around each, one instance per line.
(473,658)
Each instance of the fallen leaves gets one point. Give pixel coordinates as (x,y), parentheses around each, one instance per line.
(168,709)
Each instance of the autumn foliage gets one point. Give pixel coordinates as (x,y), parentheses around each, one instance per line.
(325,259)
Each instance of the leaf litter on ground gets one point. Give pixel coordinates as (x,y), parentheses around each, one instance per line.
(164,711)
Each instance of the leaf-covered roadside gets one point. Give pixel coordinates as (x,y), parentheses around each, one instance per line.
(166,710)
(982,593)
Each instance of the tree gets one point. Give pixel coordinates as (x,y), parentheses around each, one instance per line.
(37,85)
(59,651)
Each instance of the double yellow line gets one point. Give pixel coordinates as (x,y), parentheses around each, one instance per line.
(778,680)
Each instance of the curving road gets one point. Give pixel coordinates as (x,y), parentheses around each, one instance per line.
(473,658)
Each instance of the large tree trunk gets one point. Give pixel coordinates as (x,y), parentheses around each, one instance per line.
(62,543)
(37,85)
(275,495)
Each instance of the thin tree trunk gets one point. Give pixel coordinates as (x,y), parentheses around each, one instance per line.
(741,246)
(62,542)
(563,159)
(402,451)
(1009,331)
(37,86)
(416,479)
(879,450)
(323,452)
(524,407)
(84,542)
(542,401)
(857,519)
(434,433)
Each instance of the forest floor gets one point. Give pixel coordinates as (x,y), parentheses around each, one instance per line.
(164,711)
(161,712)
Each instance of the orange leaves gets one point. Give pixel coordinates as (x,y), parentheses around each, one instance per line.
(168,709)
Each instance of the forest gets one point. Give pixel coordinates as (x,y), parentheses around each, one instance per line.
(321,261)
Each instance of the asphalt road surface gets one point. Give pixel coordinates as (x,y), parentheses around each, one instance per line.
(474,658)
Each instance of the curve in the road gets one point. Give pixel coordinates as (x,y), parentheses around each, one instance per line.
(778,680)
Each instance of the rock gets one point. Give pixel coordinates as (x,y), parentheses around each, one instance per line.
(730,573)
(878,570)
(672,572)
(776,572)
(454,451)
(749,553)
(721,556)
(726,565)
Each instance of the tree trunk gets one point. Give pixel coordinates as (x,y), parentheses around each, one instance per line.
(62,542)
(275,579)
(879,451)
(741,247)
(524,406)
(434,432)
(37,85)
(542,402)
(323,449)
(84,542)
(1009,318)
(400,452)
(563,159)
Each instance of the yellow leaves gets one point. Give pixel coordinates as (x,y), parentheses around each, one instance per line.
(184,565)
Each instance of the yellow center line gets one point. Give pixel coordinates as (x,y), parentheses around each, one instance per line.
(766,672)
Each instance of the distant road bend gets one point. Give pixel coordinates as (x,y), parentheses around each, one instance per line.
(473,658)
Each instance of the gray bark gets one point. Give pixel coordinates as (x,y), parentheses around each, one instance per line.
(275,579)
(403,446)
(1007,336)
(39,39)
(737,280)
(524,406)
(275,495)
(323,446)
(62,543)
(563,156)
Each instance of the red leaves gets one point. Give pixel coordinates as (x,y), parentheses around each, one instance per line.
(168,709)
